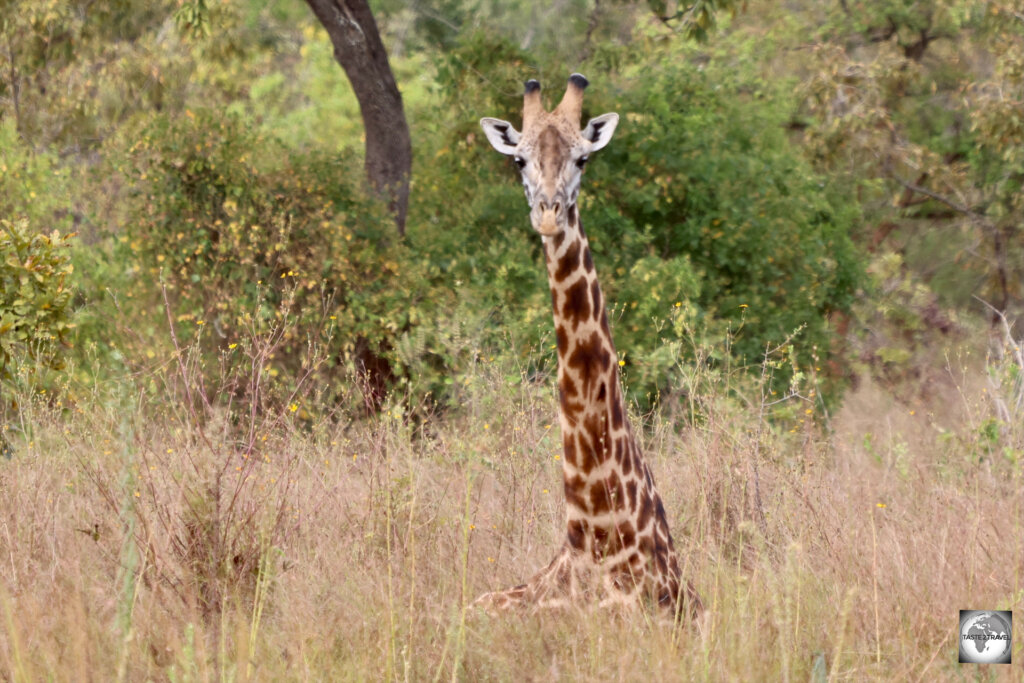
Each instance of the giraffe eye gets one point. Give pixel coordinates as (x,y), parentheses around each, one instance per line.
(582,161)
(520,162)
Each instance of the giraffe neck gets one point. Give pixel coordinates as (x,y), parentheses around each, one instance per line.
(618,544)
(596,435)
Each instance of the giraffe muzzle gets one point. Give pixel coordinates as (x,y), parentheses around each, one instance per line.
(551,218)
(548,223)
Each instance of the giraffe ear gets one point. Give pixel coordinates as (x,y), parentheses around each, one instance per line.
(502,136)
(599,130)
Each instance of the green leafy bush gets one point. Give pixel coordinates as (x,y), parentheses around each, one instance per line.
(704,220)
(248,236)
(35,294)
(708,230)
(698,171)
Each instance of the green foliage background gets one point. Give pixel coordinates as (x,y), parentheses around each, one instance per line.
(209,160)
(706,224)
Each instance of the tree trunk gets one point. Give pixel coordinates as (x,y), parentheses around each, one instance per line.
(360,52)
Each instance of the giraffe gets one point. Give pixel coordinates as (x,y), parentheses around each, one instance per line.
(618,549)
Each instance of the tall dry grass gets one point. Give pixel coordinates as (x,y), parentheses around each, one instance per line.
(146,535)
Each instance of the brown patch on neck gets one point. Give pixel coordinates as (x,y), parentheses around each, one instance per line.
(569,263)
(577,303)
(590,359)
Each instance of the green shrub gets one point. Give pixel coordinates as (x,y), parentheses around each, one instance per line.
(699,171)
(700,201)
(248,236)
(708,230)
(35,295)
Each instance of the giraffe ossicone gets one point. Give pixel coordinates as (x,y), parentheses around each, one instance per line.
(617,549)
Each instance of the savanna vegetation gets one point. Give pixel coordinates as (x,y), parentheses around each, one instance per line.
(261,420)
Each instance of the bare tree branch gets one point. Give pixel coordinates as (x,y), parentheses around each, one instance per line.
(956,206)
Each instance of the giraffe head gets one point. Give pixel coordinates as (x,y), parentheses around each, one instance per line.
(551,152)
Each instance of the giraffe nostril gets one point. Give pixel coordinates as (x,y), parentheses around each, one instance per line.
(558,207)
